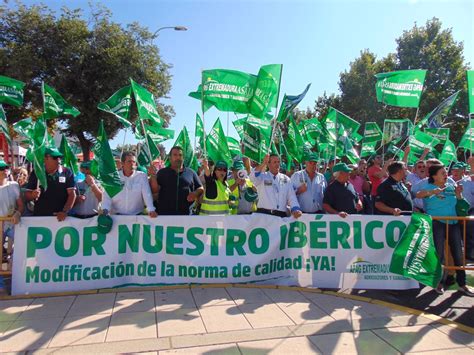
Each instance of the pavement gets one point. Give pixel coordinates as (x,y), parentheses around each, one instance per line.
(226,319)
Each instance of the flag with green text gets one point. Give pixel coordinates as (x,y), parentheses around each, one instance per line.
(199,133)
(11,91)
(289,103)
(266,90)
(4,126)
(146,104)
(119,105)
(400,88)
(372,133)
(54,104)
(448,154)
(217,147)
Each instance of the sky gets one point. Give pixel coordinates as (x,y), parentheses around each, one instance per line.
(314,40)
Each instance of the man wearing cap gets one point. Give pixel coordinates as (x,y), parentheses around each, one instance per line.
(275,191)
(392,195)
(243,190)
(309,186)
(11,203)
(135,194)
(58,199)
(340,197)
(458,171)
(89,194)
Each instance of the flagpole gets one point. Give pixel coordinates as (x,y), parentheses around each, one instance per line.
(276,111)
(204,140)
(146,141)
(123,143)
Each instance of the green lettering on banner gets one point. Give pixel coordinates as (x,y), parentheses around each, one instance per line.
(264,241)
(132,239)
(32,274)
(317,231)
(296,235)
(339,232)
(148,246)
(195,241)
(357,228)
(215,234)
(283,235)
(90,243)
(172,239)
(60,242)
(369,235)
(33,244)
(235,245)
(390,232)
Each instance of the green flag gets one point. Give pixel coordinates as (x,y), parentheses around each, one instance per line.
(234,147)
(348,124)
(263,125)
(227,90)
(254,143)
(266,90)
(396,130)
(372,133)
(35,154)
(294,141)
(217,147)
(4,126)
(188,152)
(467,140)
(415,255)
(239,126)
(103,166)
(289,103)
(199,133)
(69,158)
(146,104)
(448,154)
(345,148)
(148,152)
(11,91)
(435,119)
(400,88)
(470,89)
(441,134)
(24,127)
(420,141)
(54,105)
(368,149)
(119,105)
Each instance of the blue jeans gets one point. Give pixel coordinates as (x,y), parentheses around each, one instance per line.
(455,246)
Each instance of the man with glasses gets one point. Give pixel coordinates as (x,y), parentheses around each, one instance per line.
(135,194)
(418,174)
(58,199)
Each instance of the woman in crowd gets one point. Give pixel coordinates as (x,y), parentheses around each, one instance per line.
(216,197)
(440,198)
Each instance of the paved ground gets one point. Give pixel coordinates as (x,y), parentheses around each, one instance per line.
(221,320)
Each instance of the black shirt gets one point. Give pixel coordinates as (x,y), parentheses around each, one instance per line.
(341,197)
(174,190)
(55,196)
(393,194)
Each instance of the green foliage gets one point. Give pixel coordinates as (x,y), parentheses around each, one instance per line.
(85,60)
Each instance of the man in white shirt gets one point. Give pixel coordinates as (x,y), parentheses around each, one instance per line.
(275,190)
(135,194)
(419,173)
(309,186)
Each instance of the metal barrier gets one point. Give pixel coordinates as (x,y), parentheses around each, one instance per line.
(464,221)
(6,258)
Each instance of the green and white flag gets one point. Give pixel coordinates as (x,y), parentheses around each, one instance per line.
(11,91)
(294,141)
(415,255)
(470,89)
(239,126)
(69,158)
(217,147)
(400,88)
(289,103)
(396,130)
(441,134)
(448,154)
(54,105)
(227,90)
(372,133)
(234,147)
(348,124)
(199,133)
(38,142)
(119,105)
(183,141)
(103,166)
(467,140)
(146,104)
(24,127)
(148,152)
(266,90)
(420,141)
(254,143)
(436,118)
(4,126)
(368,149)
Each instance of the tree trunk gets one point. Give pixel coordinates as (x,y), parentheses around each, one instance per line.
(85,146)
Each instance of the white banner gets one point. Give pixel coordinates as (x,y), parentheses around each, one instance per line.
(324,251)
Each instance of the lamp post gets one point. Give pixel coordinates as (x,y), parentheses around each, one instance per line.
(176,28)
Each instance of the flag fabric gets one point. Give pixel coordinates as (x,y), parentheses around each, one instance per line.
(470,89)
(38,142)
(119,105)
(289,103)
(400,88)
(227,90)
(264,126)
(146,104)
(435,119)
(234,147)
(239,126)
(254,143)
(4,126)
(345,148)
(467,140)
(199,133)
(368,149)
(348,124)
(217,147)
(294,141)
(415,255)
(395,151)
(183,141)
(396,130)
(448,153)
(420,141)
(54,105)
(372,133)
(148,152)
(266,90)
(69,158)
(441,134)
(11,91)
(103,166)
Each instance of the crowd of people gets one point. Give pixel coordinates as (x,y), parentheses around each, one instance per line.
(381,187)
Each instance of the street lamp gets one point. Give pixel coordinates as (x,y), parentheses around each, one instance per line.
(176,28)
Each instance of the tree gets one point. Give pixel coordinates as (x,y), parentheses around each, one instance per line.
(85,60)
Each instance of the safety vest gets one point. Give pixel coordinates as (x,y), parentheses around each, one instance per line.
(236,193)
(218,205)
